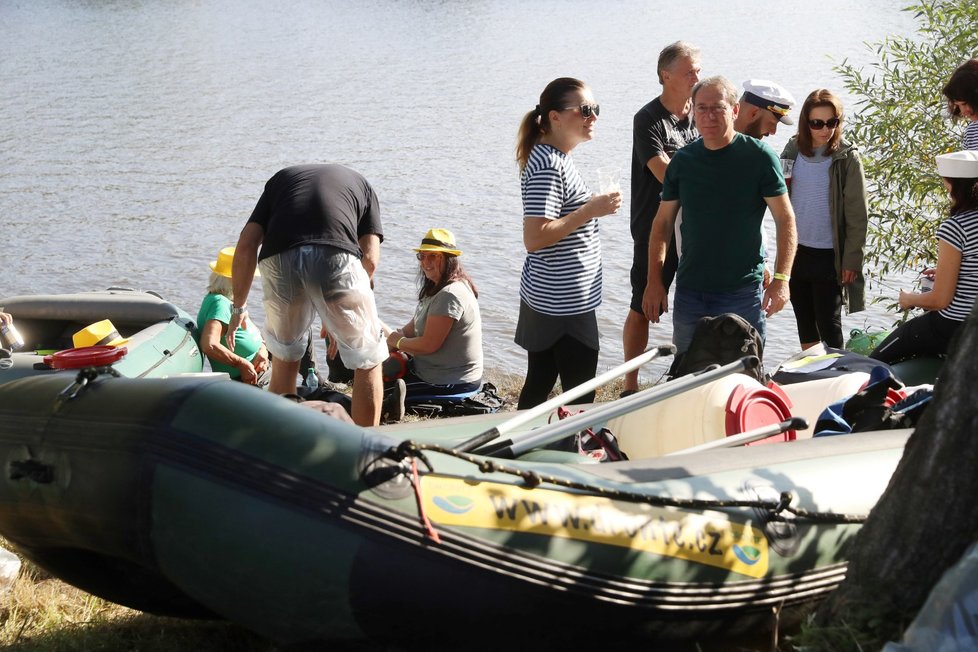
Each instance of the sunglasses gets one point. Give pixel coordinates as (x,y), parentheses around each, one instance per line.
(831,123)
(427,254)
(587,110)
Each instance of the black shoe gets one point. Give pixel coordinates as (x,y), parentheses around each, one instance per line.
(627,392)
(392,409)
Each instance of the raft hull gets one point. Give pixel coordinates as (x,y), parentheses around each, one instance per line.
(214,497)
(161,336)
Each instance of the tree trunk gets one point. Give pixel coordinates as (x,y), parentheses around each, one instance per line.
(927,516)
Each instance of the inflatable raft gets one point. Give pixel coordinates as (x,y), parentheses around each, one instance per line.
(160,335)
(200,497)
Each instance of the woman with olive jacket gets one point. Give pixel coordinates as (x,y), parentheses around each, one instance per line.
(828,194)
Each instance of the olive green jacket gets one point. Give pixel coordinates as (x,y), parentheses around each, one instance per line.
(850,220)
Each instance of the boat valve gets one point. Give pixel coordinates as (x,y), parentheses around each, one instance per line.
(32,470)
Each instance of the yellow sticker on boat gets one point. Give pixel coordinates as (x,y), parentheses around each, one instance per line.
(695,537)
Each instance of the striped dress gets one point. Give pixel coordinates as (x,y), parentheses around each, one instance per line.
(971,135)
(961,232)
(564,278)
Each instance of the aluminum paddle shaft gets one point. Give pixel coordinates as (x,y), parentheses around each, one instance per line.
(607,411)
(575,392)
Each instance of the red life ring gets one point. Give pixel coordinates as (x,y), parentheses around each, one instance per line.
(86,356)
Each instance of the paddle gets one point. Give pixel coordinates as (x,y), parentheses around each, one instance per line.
(526,416)
(607,411)
(763,432)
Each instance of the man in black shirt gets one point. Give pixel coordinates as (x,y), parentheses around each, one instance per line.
(319,232)
(659,129)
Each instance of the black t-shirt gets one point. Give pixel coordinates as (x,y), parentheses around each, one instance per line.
(316,204)
(654,131)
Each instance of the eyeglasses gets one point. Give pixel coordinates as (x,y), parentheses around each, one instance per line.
(587,110)
(714,109)
(831,123)
(421,255)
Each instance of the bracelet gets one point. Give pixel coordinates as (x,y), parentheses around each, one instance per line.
(237,310)
(778,276)
(398,345)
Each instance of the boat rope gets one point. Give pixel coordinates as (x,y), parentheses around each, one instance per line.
(422,514)
(778,509)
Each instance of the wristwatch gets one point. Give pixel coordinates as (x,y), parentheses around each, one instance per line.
(236,310)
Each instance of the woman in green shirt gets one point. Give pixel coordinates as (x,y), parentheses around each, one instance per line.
(249,360)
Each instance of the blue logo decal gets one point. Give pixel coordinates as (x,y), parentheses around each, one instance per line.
(453,504)
(747,554)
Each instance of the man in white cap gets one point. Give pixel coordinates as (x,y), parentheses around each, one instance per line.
(724,182)
(763,106)
(659,130)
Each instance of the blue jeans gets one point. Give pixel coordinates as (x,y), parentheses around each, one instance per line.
(689,306)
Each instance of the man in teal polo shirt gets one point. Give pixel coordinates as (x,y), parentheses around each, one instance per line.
(723,182)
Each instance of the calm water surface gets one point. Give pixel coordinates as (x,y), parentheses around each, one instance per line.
(136,136)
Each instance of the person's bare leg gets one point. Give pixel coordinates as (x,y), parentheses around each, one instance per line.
(285,376)
(634,340)
(368,393)
(808,345)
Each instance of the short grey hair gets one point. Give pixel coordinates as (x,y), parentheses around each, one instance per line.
(220,285)
(673,53)
(725,85)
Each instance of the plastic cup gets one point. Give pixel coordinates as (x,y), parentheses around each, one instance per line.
(609,179)
(787,165)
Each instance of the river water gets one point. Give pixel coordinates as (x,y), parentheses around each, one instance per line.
(136,136)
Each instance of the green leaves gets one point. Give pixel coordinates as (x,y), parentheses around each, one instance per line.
(900,124)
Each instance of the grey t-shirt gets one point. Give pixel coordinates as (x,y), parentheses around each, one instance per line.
(459,360)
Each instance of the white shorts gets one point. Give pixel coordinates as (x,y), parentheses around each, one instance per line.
(331,282)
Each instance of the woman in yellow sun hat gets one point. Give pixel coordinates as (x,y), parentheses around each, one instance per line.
(249,360)
(444,338)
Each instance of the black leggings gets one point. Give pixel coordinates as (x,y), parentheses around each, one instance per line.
(570,359)
(928,334)
(816,296)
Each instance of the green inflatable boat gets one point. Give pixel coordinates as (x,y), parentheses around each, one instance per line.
(158,336)
(195,496)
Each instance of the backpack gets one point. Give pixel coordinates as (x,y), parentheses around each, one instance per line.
(485,401)
(721,340)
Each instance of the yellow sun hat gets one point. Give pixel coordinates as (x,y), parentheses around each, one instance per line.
(440,241)
(101,333)
(222,266)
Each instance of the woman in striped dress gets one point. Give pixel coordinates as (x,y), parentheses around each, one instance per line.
(961,92)
(560,287)
(956,278)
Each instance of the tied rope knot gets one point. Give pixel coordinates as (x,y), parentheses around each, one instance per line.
(783,502)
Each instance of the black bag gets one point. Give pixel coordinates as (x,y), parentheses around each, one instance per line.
(830,364)
(485,401)
(721,340)
(881,405)
(330,396)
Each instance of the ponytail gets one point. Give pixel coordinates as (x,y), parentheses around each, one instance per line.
(536,123)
